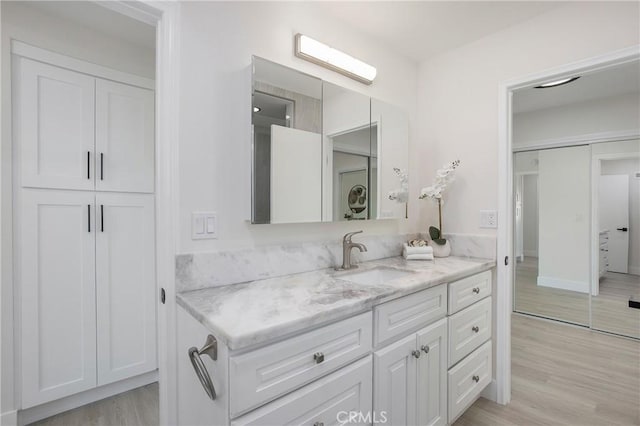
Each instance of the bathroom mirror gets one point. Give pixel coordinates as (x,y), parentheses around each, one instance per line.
(322,152)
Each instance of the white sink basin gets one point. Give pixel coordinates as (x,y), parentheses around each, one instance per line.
(376,276)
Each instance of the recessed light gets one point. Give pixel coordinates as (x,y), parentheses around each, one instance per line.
(557,83)
(257,109)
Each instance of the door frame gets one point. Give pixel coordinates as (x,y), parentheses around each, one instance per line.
(165,16)
(505,232)
(596,168)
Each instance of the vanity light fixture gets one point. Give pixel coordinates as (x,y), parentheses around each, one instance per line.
(333,59)
(257,109)
(557,83)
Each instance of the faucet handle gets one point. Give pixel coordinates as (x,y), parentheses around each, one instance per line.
(347,237)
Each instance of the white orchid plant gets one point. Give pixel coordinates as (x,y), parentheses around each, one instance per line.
(401,195)
(444,177)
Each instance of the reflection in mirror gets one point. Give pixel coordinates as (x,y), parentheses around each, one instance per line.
(348,190)
(552,210)
(287,145)
(616,180)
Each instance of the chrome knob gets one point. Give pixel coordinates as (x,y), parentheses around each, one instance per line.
(318,424)
(476,378)
(318,357)
(425,349)
(476,290)
(415,354)
(475,328)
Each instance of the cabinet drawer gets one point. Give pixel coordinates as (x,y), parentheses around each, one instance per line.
(468,329)
(468,291)
(468,379)
(322,402)
(392,319)
(269,372)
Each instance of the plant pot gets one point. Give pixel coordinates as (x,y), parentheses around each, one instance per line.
(440,250)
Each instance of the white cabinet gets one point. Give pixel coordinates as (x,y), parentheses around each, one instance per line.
(87,290)
(124,137)
(125,285)
(54,125)
(58,307)
(410,378)
(75,131)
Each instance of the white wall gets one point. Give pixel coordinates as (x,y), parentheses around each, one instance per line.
(25,23)
(629,167)
(564,200)
(458,96)
(581,118)
(217,41)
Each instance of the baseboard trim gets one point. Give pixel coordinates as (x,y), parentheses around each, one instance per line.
(531,253)
(579,286)
(58,406)
(9,418)
(491,391)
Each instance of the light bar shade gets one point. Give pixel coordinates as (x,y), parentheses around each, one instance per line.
(328,57)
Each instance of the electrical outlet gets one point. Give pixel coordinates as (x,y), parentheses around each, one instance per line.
(204,225)
(488,219)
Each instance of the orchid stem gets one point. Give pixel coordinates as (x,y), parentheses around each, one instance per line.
(440,216)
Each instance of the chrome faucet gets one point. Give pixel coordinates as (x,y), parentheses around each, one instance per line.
(347,245)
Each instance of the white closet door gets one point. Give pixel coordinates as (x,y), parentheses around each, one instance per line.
(126,296)
(57,293)
(124,137)
(54,125)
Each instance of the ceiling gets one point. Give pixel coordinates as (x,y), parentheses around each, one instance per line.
(99,18)
(422,29)
(609,82)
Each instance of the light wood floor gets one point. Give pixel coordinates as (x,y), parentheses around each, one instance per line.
(565,375)
(138,407)
(610,311)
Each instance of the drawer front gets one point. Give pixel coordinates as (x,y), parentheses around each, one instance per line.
(468,379)
(395,318)
(468,329)
(468,291)
(267,373)
(324,402)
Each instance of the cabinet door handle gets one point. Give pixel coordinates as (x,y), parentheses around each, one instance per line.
(425,348)
(210,348)
(318,424)
(101,166)
(476,378)
(89,165)
(318,357)
(101,217)
(416,354)
(476,290)
(475,328)
(89,218)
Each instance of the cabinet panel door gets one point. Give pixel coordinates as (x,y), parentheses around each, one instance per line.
(394,393)
(57,292)
(432,374)
(124,137)
(54,126)
(125,266)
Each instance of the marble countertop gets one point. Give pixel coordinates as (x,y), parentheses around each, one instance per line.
(248,314)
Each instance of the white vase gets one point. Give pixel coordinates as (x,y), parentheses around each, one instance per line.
(440,250)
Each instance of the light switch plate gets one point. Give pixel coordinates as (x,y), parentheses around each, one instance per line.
(204,225)
(488,219)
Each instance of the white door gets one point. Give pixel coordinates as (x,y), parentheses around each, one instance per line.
(57,291)
(126,296)
(432,374)
(124,137)
(519,222)
(53,126)
(614,216)
(394,392)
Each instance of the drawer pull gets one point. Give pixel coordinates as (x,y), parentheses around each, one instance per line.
(415,354)
(210,348)
(318,424)
(476,290)
(475,328)
(318,357)
(425,349)
(476,378)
